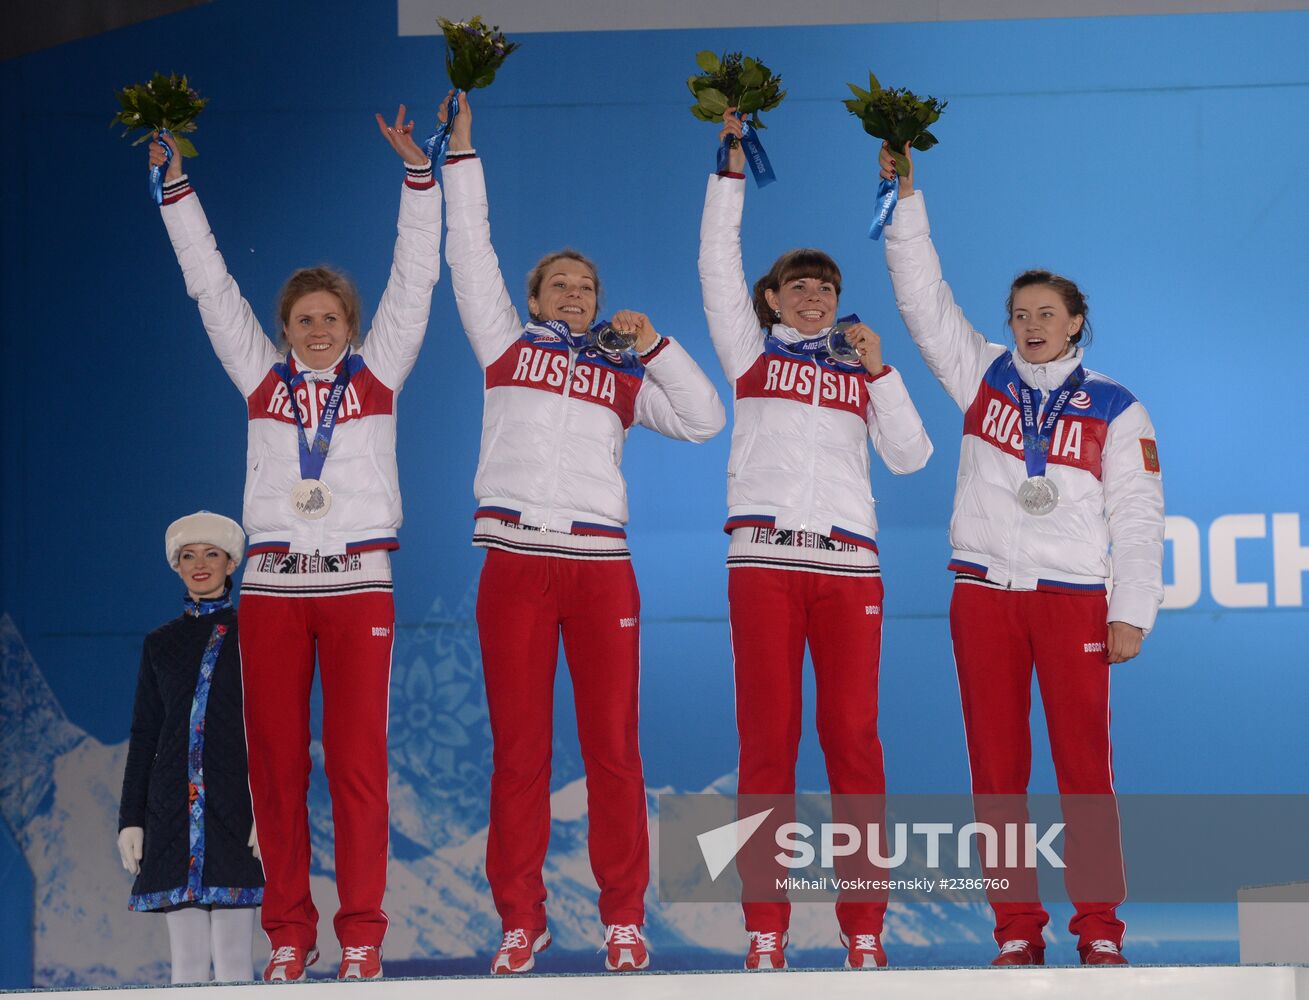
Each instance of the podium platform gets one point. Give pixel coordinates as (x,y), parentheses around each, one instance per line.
(1213,982)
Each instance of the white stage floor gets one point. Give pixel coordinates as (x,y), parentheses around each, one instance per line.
(1269,982)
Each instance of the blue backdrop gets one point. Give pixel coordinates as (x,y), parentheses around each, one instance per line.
(1158,160)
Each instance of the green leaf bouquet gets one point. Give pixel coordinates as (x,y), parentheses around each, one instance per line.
(897,116)
(473,52)
(733,81)
(165,102)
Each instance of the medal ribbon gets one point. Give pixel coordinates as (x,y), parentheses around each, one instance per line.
(313,456)
(1036,442)
(577,341)
(888,194)
(754,155)
(814,347)
(157,173)
(438,144)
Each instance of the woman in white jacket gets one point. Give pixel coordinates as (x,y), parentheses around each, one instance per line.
(552,504)
(802,558)
(322,508)
(1058,466)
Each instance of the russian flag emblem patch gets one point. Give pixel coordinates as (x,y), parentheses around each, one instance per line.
(1150,455)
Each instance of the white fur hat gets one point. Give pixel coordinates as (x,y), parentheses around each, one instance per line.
(204,528)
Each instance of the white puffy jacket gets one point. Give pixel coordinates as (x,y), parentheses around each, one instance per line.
(360,469)
(556,419)
(1103,457)
(799,442)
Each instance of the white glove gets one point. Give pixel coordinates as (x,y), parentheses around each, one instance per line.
(131,844)
(253,842)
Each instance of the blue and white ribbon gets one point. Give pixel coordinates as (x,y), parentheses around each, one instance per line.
(755,155)
(888,194)
(312,457)
(438,144)
(195,764)
(1036,441)
(157,172)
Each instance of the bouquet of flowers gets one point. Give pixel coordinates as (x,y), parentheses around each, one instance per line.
(733,81)
(736,81)
(473,55)
(897,116)
(473,52)
(164,104)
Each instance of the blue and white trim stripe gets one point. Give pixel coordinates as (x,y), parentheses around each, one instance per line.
(195,752)
(209,895)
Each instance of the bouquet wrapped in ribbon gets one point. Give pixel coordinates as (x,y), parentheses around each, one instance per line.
(736,81)
(473,55)
(900,118)
(165,104)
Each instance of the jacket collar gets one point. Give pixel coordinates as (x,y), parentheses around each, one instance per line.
(1051,375)
(297,368)
(790,335)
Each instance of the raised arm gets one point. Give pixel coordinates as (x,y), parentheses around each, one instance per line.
(485,309)
(393,342)
(676,397)
(733,325)
(955,352)
(235,333)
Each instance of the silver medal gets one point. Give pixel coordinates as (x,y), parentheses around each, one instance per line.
(839,346)
(311,499)
(612,341)
(1038,495)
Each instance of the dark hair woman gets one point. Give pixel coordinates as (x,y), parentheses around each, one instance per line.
(802,561)
(185,828)
(1057,466)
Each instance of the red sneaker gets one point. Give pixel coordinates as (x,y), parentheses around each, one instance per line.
(767,950)
(518,950)
(288,964)
(1019,951)
(865,951)
(626,947)
(360,962)
(1101,952)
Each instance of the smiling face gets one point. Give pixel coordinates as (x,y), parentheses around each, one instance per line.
(1043,327)
(806,304)
(204,570)
(317,329)
(567,292)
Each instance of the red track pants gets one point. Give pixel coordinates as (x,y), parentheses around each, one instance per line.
(524,603)
(353,634)
(773,612)
(998,636)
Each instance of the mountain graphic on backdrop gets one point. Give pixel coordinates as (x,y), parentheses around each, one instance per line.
(59,790)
